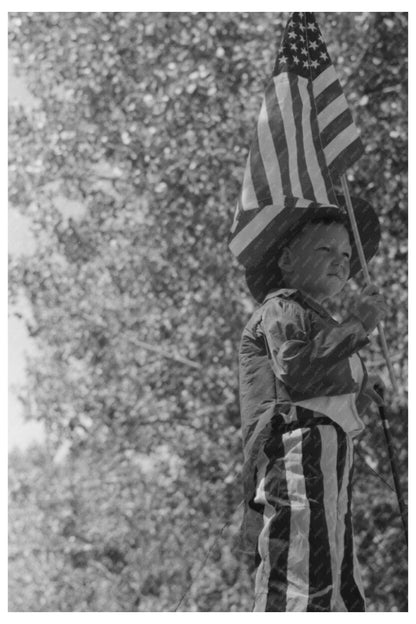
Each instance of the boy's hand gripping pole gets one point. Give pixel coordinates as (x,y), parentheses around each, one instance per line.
(367,276)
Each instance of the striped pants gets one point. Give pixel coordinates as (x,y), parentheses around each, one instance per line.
(306,558)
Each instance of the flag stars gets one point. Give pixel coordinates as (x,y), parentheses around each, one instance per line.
(303,48)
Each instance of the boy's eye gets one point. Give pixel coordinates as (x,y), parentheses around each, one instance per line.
(327,248)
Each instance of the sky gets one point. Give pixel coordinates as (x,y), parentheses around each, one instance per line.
(21,434)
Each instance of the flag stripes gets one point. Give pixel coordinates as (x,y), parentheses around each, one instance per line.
(304,143)
(331,483)
(338,145)
(349,154)
(351,588)
(248,193)
(324,80)
(322,179)
(261,190)
(301,164)
(255,230)
(341,121)
(269,153)
(321,583)
(328,95)
(339,136)
(298,569)
(275,119)
(250,238)
(306,559)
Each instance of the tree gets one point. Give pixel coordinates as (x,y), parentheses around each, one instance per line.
(145,121)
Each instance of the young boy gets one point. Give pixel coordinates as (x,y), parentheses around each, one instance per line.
(302,390)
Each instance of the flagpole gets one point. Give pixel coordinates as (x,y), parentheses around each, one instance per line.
(367,276)
(393,464)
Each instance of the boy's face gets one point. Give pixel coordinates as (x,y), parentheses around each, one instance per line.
(318,260)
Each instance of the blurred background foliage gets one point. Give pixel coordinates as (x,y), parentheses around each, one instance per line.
(144,121)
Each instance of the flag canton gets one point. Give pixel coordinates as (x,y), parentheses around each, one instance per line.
(303,50)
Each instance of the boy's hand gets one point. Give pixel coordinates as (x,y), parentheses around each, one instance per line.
(374,389)
(369,394)
(370,307)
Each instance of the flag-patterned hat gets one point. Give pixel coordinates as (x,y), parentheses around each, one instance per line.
(304,141)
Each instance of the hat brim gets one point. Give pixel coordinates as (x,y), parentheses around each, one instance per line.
(265,275)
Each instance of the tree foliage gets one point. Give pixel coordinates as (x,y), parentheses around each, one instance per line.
(144,121)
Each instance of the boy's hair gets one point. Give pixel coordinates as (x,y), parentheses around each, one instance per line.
(297,231)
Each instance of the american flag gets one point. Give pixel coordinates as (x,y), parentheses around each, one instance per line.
(304,140)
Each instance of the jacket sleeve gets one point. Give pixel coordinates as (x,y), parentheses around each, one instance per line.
(311,359)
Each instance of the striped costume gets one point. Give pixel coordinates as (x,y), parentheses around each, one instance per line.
(300,382)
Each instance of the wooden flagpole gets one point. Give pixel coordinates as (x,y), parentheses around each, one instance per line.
(367,276)
(393,464)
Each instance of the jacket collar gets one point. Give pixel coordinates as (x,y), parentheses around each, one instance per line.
(302,298)
(281,292)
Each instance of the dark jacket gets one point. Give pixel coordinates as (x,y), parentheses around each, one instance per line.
(292,352)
